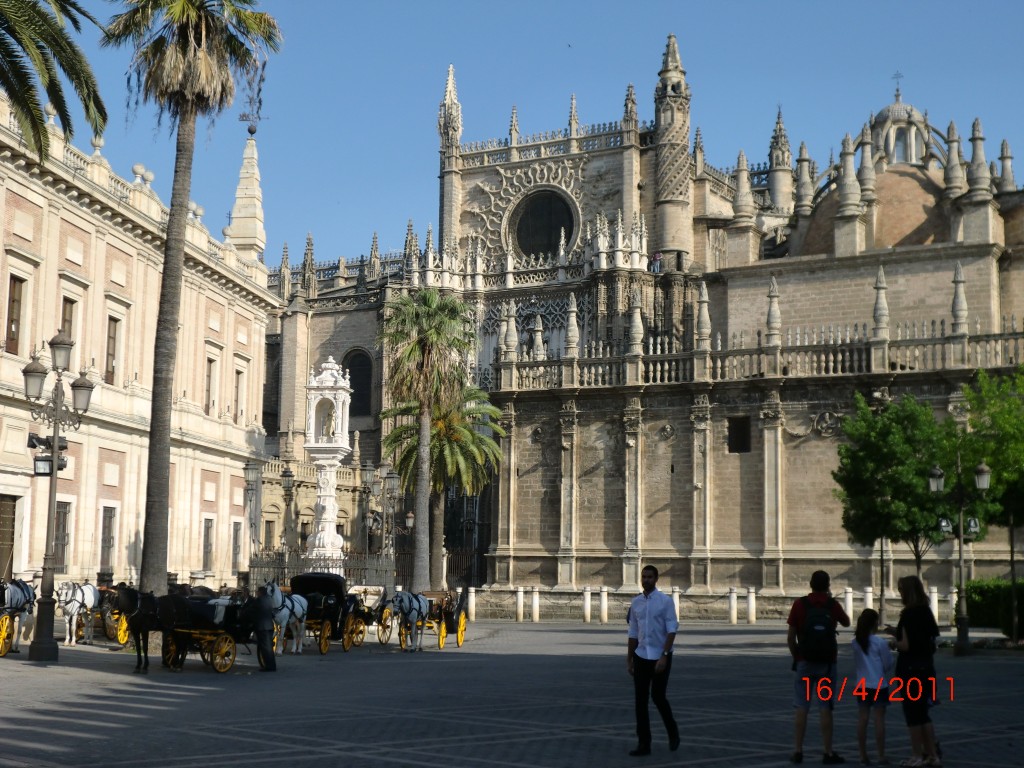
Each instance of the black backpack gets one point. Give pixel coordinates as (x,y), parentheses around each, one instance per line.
(817,641)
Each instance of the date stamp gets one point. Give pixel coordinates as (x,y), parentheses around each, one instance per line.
(892,689)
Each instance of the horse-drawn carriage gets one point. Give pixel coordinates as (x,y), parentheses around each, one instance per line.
(327,607)
(213,627)
(17,599)
(361,616)
(440,612)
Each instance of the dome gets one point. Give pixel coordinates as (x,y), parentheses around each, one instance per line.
(898,112)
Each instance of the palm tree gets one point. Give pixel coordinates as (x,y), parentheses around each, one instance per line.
(462,455)
(34,45)
(186,54)
(426,335)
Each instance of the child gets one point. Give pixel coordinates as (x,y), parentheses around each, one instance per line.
(874,665)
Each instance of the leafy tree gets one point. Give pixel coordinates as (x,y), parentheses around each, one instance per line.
(34,45)
(426,336)
(186,54)
(462,455)
(882,474)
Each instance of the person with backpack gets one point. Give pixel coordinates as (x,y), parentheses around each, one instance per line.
(812,642)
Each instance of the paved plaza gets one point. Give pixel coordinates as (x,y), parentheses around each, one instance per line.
(522,695)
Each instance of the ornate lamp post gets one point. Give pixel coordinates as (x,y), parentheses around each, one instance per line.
(936,482)
(253,473)
(53,411)
(288,487)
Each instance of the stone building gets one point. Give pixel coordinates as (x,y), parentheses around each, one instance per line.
(672,344)
(82,250)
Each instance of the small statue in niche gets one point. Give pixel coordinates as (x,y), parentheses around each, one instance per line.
(329,423)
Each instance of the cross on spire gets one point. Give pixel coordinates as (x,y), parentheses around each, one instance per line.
(897,77)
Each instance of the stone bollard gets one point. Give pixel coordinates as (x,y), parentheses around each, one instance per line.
(604,605)
(848,601)
(535,605)
(675,600)
(471,604)
(952,606)
(732,605)
(751,606)
(519,603)
(869,597)
(933,601)
(586,605)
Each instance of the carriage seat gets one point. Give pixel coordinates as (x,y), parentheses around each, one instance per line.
(209,610)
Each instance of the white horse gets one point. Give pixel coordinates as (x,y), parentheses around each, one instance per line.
(74,600)
(289,612)
(17,599)
(412,610)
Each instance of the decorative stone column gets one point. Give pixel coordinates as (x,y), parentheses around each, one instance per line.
(772,422)
(504,541)
(700,559)
(633,427)
(567,526)
(328,396)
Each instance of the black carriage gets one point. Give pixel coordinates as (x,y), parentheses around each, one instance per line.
(212,627)
(327,597)
(446,615)
(361,616)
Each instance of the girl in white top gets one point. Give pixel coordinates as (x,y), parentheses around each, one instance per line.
(874,662)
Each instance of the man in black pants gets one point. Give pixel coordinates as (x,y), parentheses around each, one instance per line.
(652,631)
(265,632)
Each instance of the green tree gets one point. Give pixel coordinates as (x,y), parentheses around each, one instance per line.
(883,474)
(186,55)
(35,48)
(462,455)
(426,336)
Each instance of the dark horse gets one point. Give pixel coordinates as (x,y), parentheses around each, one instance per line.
(140,612)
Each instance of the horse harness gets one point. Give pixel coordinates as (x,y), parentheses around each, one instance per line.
(76,590)
(287,601)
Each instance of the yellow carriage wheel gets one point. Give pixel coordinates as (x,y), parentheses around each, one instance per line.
(384,627)
(324,638)
(222,655)
(348,633)
(442,633)
(110,621)
(204,653)
(79,628)
(273,640)
(403,635)
(6,634)
(122,630)
(169,653)
(360,632)
(460,634)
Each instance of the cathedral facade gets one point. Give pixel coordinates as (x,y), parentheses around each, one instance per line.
(673,344)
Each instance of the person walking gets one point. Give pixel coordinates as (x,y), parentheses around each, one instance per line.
(652,631)
(812,643)
(265,631)
(873,662)
(915,640)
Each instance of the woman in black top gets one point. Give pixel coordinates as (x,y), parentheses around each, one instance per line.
(915,641)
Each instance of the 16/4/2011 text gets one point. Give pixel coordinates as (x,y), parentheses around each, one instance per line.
(893,689)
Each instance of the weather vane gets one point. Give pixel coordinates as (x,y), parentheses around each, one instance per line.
(897,77)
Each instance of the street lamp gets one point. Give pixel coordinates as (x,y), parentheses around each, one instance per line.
(53,411)
(253,472)
(288,487)
(936,482)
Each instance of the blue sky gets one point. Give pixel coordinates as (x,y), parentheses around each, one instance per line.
(349,145)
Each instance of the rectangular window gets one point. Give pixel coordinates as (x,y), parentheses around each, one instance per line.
(107,541)
(67,316)
(15,290)
(207,545)
(208,401)
(739,434)
(237,405)
(61,536)
(269,542)
(236,547)
(113,328)
(305,528)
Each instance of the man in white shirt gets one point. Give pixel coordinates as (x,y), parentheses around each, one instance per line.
(652,631)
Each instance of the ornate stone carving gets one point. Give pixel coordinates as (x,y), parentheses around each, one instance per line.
(771,410)
(537,434)
(827,423)
(666,432)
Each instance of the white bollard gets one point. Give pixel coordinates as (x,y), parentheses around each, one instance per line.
(471,604)
(933,601)
(751,606)
(586,605)
(732,605)
(535,605)
(953,592)
(848,601)
(604,605)
(675,600)
(519,603)
(869,597)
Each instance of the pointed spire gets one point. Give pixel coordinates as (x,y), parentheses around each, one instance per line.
(284,284)
(373,271)
(572,331)
(804,182)
(959,302)
(1006,182)
(284,257)
(743,203)
(411,247)
(979,179)
(629,107)
(449,113)
(954,174)
(703,319)
(374,248)
(670,61)
(511,330)
(310,283)
(247,232)
(866,173)
(513,127)
(848,187)
(430,239)
(698,140)
(779,154)
(672,77)
(574,120)
(881,313)
(774,322)
(537,353)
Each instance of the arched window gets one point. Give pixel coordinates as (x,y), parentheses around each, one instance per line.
(360,372)
(900,146)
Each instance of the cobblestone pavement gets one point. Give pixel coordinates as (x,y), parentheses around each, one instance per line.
(519,695)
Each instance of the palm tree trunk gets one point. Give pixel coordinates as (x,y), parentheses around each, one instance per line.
(421,558)
(437,542)
(153,575)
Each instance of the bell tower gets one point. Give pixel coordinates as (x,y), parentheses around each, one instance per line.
(674,213)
